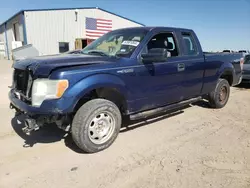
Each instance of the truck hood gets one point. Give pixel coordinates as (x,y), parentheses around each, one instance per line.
(43,65)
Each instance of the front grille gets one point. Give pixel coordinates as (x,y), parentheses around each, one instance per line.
(21,78)
(22,82)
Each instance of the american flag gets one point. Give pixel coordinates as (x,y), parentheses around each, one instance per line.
(96,27)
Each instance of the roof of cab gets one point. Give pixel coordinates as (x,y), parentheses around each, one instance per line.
(148,28)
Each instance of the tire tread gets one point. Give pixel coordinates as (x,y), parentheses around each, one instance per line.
(213,101)
(81,117)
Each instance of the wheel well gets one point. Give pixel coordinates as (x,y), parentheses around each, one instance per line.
(227,76)
(111,94)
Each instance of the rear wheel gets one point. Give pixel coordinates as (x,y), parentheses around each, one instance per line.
(96,125)
(219,97)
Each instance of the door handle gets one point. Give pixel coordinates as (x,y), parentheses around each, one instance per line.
(181,67)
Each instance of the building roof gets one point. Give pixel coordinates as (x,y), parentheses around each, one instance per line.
(29,10)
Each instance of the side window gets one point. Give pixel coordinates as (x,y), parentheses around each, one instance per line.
(63,47)
(163,40)
(190,48)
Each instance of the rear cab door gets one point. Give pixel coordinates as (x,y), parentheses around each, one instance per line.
(191,65)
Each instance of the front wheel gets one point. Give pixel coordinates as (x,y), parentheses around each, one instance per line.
(96,125)
(219,97)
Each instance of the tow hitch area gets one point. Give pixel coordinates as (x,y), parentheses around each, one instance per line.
(30,125)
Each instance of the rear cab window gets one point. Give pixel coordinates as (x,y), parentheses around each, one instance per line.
(190,47)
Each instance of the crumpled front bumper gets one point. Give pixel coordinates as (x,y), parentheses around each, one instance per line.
(48,107)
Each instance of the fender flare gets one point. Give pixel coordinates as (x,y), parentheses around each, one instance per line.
(226,68)
(87,84)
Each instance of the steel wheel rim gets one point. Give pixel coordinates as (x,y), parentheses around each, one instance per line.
(101,127)
(223,94)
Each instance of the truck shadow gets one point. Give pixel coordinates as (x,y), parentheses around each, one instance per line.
(47,134)
(128,125)
(202,103)
(50,133)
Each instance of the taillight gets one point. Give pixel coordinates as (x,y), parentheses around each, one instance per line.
(241,63)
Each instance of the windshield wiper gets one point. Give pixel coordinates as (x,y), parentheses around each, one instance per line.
(97,52)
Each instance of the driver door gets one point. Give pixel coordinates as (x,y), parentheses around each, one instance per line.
(160,82)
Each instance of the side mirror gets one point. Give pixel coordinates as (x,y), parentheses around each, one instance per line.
(155,55)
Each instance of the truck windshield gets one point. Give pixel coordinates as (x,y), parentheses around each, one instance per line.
(116,43)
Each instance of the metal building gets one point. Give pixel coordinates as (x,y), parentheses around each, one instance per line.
(51,31)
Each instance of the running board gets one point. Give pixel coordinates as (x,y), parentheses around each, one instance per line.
(170,107)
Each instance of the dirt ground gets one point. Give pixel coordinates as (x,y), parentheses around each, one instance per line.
(195,147)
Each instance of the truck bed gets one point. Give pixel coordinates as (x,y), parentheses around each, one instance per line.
(220,58)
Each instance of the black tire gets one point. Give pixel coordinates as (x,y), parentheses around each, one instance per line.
(215,97)
(81,125)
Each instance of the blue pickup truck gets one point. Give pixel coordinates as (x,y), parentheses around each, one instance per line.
(131,72)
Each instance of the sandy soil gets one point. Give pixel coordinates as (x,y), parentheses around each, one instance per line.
(195,147)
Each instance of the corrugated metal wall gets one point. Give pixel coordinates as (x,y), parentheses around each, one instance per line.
(2,43)
(2,36)
(9,31)
(45,29)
